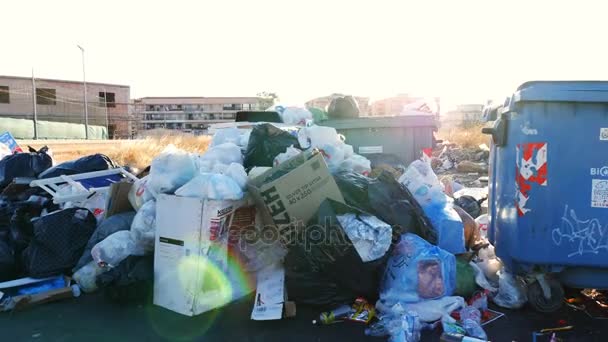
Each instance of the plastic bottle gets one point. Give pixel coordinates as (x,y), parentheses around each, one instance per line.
(334,315)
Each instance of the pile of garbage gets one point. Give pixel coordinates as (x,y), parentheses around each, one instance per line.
(448,158)
(293,207)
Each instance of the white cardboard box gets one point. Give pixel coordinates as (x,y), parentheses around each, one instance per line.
(190,254)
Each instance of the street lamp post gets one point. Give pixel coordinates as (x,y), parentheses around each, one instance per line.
(84,84)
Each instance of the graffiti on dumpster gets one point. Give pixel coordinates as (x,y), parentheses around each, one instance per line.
(531,159)
(586,236)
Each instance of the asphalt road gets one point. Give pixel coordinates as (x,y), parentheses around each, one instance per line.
(93,318)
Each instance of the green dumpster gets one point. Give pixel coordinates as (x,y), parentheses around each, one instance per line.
(375,137)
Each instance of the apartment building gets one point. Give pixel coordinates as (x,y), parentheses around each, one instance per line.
(189,114)
(63,101)
(323,103)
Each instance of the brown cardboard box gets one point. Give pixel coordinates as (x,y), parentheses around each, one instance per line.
(118,199)
(289,194)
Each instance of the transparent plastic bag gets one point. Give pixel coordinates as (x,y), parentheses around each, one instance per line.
(144,226)
(356,163)
(115,248)
(400,328)
(86,276)
(170,170)
(511,291)
(289,153)
(416,271)
(370,236)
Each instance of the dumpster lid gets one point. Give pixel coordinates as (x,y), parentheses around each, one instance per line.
(560,91)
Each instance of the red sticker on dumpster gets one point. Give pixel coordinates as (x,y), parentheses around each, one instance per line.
(531,159)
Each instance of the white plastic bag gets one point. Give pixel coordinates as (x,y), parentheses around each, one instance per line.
(370,236)
(115,248)
(170,170)
(86,276)
(226,154)
(427,310)
(422,182)
(358,164)
(238,174)
(483,222)
(295,115)
(333,154)
(211,186)
(140,193)
(317,136)
(511,291)
(226,135)
(144,226)
(480,278)
(289,153)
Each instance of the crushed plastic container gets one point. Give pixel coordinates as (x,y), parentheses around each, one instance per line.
(548,183)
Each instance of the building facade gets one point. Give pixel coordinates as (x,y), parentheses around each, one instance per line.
(323,103)
(189,114)
(63,101)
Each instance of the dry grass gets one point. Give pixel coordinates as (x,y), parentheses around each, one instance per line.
(140,153)
(469,137)
(134,153)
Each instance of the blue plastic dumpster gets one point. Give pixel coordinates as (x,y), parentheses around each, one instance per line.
(548,198)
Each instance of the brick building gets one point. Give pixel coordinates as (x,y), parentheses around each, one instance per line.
(63,101)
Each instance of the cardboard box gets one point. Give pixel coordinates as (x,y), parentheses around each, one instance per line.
(289,194)
(190,256)
(118,199)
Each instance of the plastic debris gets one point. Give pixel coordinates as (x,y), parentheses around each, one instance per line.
(289,153)
(416,271)
(511,291)
(115,248)
(170,170)
(144,226)
(370,236)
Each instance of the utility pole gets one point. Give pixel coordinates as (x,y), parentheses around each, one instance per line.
(84,84)
(34,104)
(105,104)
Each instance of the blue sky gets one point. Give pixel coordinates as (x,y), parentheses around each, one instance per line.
(463,51)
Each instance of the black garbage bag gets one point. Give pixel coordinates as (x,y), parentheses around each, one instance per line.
(387,199)
(58,241)
(469,204)
(7,261)
(132,281)
(24,165)
(323,249)
(106,228)
(265,143)
(309,287)
(343,107)
(94,162)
